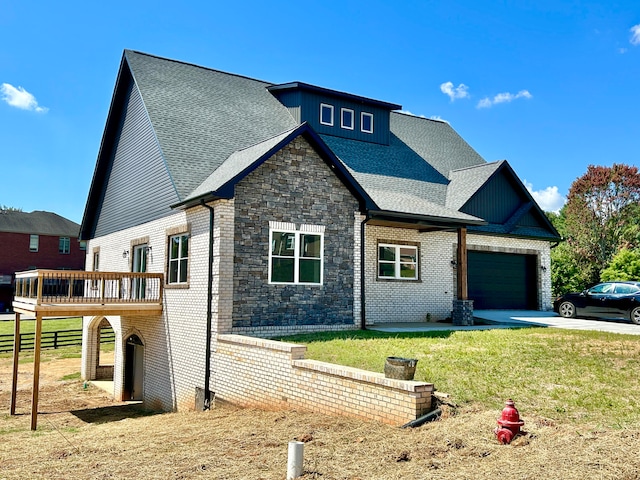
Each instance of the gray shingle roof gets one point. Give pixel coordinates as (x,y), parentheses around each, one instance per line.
(237,162)
(466,181)
(211,126)
(37,223)
(201,116)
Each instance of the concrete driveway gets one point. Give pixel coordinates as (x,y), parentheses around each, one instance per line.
(551,319)
(488,319)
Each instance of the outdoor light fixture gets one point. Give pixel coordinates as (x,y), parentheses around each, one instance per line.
(125,254)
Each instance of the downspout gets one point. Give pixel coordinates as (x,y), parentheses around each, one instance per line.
(207,366)
(363,316)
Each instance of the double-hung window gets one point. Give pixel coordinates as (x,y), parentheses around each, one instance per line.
(34,242)
(178,258)
(296,256)
(64,245)
(398,262)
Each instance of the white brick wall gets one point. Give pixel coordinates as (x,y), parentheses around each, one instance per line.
(410,301)
(174,341)
(174,359)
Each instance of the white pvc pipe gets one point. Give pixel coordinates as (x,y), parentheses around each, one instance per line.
(295,460)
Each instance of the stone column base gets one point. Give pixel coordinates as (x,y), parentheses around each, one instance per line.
(462,312)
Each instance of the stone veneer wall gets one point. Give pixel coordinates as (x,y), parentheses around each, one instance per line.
(433,293)
(254,372)
(294,186)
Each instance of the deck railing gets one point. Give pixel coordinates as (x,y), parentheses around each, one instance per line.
(68,287)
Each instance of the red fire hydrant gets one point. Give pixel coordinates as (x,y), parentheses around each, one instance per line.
(509,423)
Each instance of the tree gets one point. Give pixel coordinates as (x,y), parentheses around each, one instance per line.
(5,208)
(624,266)
(601,215)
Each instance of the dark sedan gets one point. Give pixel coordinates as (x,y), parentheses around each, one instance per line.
(605,300)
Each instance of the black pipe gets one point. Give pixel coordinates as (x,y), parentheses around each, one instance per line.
(207,366)
(429,417)
(363,316)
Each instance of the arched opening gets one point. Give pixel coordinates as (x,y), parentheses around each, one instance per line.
(133,368)
(105,351)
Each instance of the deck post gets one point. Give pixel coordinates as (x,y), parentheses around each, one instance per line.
(36,372)
(16,355)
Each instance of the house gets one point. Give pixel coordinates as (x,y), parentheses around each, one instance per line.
(33,240)
(275,209)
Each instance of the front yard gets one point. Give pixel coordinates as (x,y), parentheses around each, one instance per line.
(576,391)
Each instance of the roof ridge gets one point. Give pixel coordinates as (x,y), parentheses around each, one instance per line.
(420,117)
(190,64)
(480,165)
(265,140)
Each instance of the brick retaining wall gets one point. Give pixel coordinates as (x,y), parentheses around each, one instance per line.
(254,372)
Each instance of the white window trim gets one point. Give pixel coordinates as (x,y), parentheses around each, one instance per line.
(304,230)
(362,115)
(330,107)
(178,259)
(353,118)
(397,262)
(66,244)
(34,240)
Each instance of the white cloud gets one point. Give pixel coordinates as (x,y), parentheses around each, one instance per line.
(635,35)
(548,199)
(20,98)
(438,118)
(504,97)
(407,112)
(461,91)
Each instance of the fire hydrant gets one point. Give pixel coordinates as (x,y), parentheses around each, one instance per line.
(509,423)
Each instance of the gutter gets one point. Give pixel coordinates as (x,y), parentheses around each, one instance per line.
(207,366)
(363,313)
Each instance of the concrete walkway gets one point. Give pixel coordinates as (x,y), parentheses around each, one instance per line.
(489,319)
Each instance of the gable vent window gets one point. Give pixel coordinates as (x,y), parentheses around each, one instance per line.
(366,122)
(346,118)
(326,114)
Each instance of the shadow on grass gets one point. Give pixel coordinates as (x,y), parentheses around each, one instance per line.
(113,413)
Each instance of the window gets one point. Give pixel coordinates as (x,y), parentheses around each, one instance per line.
(366,122)
(296,257)
(83,245)
(326,114)
(346,118)
(397,261)
(96,260)
(34,241)
(178,258)
(64,245)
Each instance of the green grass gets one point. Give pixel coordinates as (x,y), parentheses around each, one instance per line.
(71,376)
(575,376)
(48,325)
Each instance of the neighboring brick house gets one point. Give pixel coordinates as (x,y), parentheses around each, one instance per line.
(276,209)
(35,240)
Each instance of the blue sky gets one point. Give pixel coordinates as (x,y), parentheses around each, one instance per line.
(550,86)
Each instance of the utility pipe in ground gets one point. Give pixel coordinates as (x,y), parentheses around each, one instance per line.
(295,460)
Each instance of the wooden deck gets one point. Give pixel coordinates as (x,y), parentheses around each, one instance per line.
(47,293)
(70,293)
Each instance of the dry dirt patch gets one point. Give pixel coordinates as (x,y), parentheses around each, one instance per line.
(84,434)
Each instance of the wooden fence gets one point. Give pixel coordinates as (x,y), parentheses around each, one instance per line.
(57,339)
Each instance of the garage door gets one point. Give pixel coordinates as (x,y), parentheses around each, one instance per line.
(502,280)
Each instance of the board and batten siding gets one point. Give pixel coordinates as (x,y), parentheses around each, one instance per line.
(139,187)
